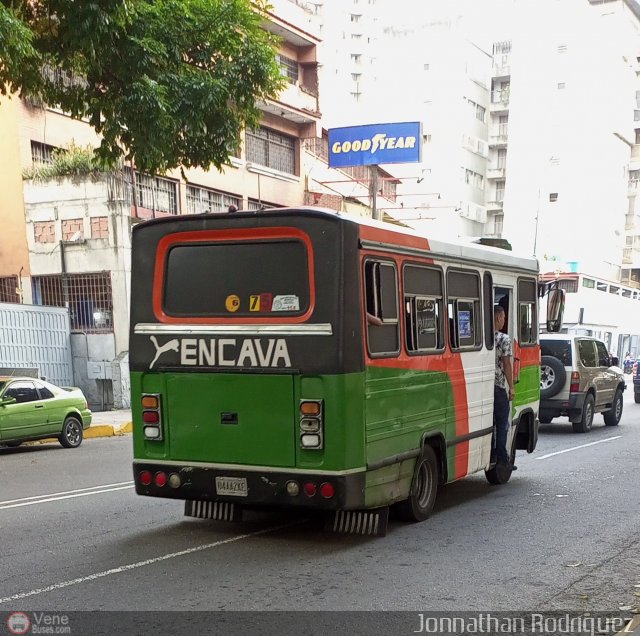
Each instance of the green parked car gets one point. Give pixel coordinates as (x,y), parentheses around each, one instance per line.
(33,409)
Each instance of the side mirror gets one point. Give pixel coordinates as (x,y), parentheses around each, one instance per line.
(555,310)
(7,400)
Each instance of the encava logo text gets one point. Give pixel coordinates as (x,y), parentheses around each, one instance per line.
(226,352)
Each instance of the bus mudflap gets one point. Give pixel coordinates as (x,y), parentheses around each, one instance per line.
(216,510)
(371,523)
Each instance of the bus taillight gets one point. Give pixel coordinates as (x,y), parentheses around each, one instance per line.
(311,425)
(152,416)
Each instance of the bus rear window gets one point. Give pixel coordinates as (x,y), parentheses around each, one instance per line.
(237,279)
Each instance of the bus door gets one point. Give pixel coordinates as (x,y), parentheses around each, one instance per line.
(503,296)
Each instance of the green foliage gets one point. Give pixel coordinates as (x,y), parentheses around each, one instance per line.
(74,161)
(165,82)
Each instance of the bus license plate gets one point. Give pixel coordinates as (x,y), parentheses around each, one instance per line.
(233,486)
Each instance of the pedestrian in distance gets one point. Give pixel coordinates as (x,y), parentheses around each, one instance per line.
(503,392)
(232,208)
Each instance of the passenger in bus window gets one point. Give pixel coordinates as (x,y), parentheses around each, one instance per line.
(503,387)
(373,320)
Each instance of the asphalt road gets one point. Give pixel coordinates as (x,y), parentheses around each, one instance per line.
(563,534)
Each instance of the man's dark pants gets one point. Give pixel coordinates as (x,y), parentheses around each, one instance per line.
(501,422)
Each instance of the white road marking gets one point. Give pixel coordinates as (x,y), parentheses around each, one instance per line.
(140,564)
(568,450)
(73,496)
(66,492)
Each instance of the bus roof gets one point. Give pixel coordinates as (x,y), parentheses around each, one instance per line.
(449,248)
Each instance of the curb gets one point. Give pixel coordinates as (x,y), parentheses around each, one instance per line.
(107,430)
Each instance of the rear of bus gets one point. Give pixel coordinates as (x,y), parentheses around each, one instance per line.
(246,359)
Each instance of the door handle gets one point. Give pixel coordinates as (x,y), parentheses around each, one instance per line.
(39,406)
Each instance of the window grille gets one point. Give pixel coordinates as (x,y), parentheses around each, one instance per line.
(89,298)
(203,200)
(272,149)
(9,289)
(254,204)
(289,68)
(318,146)
(155,193)
(42,153)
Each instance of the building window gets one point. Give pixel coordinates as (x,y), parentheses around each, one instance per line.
(254,204)
(356,76)
(474,179)
(498,223)
(10,291)
(88,297)
(356,58)
(42,153)
(562,48)
(561,85)
(500,185)
(480,112)
(589,283)
(355,17)
(553,197)
(202,200)
(289,68)
(156,193)
(272,149)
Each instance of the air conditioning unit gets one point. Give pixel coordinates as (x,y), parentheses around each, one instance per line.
(474,212)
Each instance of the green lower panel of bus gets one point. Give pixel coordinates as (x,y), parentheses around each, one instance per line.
(236,426)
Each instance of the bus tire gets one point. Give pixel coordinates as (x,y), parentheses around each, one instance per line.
(424,489)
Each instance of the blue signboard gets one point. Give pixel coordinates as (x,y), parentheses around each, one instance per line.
(375,144)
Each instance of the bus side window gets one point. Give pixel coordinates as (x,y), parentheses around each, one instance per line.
(527,315)
(463,303)
(381,307)
(424,328)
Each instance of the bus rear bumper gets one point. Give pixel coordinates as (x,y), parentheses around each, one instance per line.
(251,487)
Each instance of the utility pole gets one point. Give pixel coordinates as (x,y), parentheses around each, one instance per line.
(373,191)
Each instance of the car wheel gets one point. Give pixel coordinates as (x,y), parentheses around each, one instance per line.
(612,417)
(545,419)
(71,436)
(586,422)
(552,376)
(424,488)
(12,444)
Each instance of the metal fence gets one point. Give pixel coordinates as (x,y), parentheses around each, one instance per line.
(36,338)
(89,298)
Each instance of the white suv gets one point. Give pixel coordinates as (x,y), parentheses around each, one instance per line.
(577,379)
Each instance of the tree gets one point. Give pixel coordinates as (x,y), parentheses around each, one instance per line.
(166,82)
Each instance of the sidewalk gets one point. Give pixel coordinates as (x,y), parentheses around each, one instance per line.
(109,423)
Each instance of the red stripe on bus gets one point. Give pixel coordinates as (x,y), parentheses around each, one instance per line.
(182,238)
(450,364)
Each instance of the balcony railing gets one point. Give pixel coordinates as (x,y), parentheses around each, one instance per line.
(495,205)
(495,173)
(499,139)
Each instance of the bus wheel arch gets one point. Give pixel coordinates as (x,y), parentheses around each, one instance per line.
(424,487)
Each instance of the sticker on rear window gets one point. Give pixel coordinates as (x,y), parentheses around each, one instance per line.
(286,303)
(232,303)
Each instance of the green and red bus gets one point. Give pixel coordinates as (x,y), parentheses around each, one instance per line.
(305,358)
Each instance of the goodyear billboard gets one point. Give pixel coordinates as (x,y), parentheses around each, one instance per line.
(375,144)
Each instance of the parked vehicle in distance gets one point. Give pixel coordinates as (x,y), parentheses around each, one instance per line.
(578,379)
(32,409)
(636,381)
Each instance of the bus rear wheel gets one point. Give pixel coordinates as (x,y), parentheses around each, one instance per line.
(424,488)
